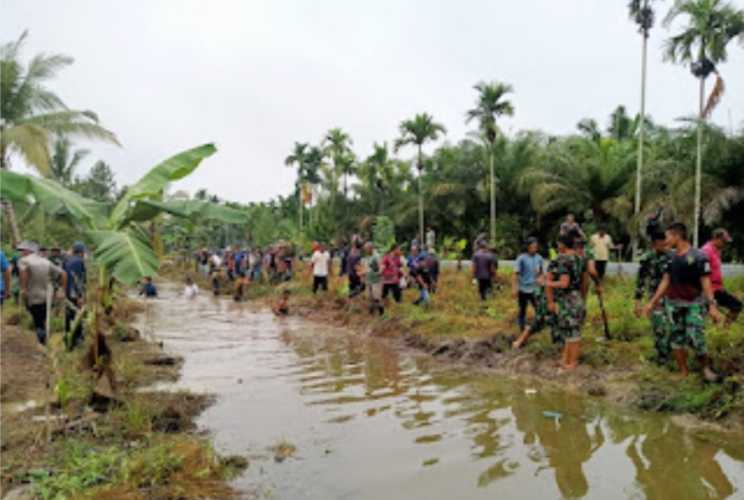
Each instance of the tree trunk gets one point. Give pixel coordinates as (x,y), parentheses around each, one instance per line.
(420,197)
(493,196)
(699,165)
(299,205)
(8,210)
(641,132)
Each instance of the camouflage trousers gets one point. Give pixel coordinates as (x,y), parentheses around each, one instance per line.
(542,317)
(569,319)
(661,326)
(687,326)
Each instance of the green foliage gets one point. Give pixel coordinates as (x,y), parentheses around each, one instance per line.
(383,233)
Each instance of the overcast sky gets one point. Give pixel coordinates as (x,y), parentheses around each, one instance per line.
(255,76)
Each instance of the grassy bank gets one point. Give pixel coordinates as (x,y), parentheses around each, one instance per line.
(459,328)
(95,444)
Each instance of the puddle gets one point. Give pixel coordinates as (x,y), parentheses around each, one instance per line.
(368,422)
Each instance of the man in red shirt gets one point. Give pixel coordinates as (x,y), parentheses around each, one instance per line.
(723,298)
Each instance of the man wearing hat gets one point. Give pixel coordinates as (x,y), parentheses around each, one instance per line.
(527,269)
(36,275)
(74,266)
(713,250)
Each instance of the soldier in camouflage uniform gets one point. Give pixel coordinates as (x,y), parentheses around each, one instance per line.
(652,267)
(566,279)
(687,289)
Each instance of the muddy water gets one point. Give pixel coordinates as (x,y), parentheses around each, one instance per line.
(369,422)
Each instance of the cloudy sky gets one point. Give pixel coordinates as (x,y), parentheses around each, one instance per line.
(255,76)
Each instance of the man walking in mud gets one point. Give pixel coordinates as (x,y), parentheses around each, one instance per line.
(372,278)
(687,288)
(527,269)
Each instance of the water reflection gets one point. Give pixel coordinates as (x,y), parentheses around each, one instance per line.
(499,416)
(403,426)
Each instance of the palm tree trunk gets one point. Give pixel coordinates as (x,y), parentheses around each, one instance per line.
(641,132)
(8,210)
(420,197)
(493,196)
(299,204)
(699,164)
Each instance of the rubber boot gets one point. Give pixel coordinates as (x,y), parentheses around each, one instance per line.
(680,356)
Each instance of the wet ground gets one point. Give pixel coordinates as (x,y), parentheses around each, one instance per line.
(371,422)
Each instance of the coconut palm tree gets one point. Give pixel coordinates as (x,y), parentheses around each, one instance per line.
(417,131)
(643,15)
(64,160)
(30,113)
(702,43)
(299,158)
(490,106)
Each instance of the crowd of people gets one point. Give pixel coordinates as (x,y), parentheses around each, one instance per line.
(682,285)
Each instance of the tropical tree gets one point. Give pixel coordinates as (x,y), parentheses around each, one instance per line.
(490,106)
(702,43)
(578,174)
(122,250)
(299,158)
(30,113)
(337,145)
(417,131)
(589,128)
(99,184)
(64,160)
(643,15)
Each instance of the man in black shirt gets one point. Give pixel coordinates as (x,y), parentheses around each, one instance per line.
(687,288)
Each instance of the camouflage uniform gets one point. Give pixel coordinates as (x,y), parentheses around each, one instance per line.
(542,316)
(566,326)
(652,268)
(687,312)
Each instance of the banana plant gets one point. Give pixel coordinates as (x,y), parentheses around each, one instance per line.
(122,247)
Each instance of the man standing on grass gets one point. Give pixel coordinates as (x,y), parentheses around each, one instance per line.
(601,243)
(713,250)
(320,262)
(484,269)
(392,273)
(373,279)
(527,270)
(36,275)
(687,288)
(653,264)
(74,266)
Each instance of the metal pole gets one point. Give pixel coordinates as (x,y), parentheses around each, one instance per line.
(699,164)
(641,132)
(421,197)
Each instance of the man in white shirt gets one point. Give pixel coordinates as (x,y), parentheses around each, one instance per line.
(601,243)
(320,263)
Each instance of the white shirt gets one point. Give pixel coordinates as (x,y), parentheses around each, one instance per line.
(601,246)
(320,262)
(190,291)
(216,261)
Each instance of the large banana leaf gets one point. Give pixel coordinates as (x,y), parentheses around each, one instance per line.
(192,209)
(52,198)
(152,185)
(125,254)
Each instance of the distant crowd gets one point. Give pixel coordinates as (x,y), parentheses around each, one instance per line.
(682,285)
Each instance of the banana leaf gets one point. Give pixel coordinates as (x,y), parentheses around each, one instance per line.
(152,185)
(126,254)
(191,209)
(52,198)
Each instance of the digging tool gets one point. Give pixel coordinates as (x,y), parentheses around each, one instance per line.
(605,323)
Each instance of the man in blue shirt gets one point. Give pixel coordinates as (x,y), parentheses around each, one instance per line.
(5,279)
(75,291)
(527,269)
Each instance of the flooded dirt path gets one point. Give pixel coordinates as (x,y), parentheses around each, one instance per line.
(371,422)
